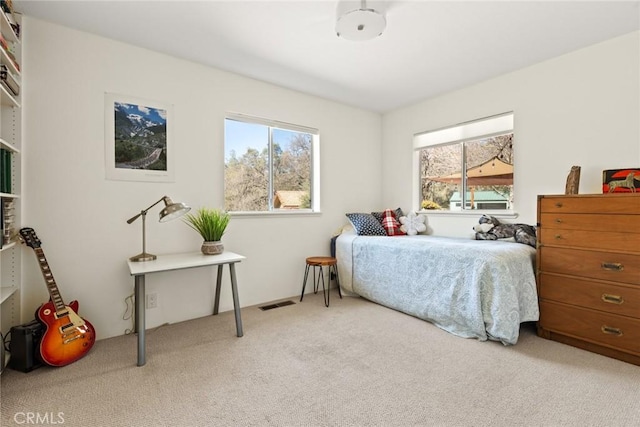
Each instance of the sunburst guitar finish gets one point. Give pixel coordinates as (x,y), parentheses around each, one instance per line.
(67,336)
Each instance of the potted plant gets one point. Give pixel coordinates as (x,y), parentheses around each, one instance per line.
(211,225)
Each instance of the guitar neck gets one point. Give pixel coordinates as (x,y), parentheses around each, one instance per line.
(56,298)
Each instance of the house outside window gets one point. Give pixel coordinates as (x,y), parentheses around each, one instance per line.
(483,149)
(270,166)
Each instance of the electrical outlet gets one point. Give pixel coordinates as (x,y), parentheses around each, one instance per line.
(152,300)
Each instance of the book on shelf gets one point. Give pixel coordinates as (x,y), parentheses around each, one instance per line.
(2,168)
(7,234)
(9,81)
(5,171)
(9,49)
(1,225)
(13,59)
(7,8)
(8,89)
(8,215)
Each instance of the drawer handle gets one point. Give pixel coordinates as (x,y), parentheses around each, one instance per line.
(558,220)
(609,330)
(612,299)
(612,266)
(558,236)
(558,204)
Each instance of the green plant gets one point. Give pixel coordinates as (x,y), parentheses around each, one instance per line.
(209,223)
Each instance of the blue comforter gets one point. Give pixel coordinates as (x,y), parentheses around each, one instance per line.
(471,288)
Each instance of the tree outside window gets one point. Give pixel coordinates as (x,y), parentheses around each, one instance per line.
(467,166)
(268,166)
(488,163)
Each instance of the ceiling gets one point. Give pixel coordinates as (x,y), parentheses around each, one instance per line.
(428,47)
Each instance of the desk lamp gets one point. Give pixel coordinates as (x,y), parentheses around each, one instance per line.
(171,211)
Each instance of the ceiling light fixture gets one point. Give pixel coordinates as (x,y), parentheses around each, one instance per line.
(359,23)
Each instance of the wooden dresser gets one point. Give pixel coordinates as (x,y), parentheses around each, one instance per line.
(588,271)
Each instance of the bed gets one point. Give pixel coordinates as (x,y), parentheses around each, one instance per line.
(470,288)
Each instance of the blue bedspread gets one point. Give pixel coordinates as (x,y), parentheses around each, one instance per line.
(471,288)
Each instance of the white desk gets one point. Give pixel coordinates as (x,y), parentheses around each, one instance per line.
(179,262)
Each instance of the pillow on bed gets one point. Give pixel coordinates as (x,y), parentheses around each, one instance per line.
(380,215)
(413,224)
(391,224)
(366,224)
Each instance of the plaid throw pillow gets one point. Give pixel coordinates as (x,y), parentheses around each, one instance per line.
(379,215)
(391,224)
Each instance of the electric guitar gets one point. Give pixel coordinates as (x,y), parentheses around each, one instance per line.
(67,336)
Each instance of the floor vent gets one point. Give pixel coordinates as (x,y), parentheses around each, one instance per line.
(276,305)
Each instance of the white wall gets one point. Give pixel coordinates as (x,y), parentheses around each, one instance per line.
(81,217)
(577,109)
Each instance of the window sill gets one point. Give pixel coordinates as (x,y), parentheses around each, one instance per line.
(248,214)
(474,213)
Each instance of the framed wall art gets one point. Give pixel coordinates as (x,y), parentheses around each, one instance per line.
(138,139)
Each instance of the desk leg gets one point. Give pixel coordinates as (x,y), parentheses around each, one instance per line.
(216,303)
(236,303)
(140,317)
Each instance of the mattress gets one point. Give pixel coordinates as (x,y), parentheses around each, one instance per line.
(470,288)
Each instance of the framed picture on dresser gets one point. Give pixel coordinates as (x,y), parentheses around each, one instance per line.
(621,180)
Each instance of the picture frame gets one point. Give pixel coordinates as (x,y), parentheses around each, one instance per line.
(138,139)
(621,180)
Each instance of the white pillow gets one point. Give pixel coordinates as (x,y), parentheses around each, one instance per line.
(413,224)
(347,229)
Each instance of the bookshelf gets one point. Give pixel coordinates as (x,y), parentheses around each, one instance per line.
(10,200)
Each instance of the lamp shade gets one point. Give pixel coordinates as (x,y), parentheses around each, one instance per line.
(360,23)
(172,210)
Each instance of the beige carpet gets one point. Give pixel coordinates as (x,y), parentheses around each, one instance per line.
(355,363)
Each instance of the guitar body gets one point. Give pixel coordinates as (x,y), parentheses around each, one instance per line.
(67,336)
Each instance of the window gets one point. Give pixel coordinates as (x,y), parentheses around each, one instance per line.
(483,149)
(269,166)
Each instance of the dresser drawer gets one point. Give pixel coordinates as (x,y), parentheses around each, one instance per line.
(614,267)
(591,222)
(614,241)
(613,331)
(608,297)
(603,204)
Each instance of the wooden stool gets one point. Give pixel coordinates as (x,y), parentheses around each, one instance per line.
(321,261)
